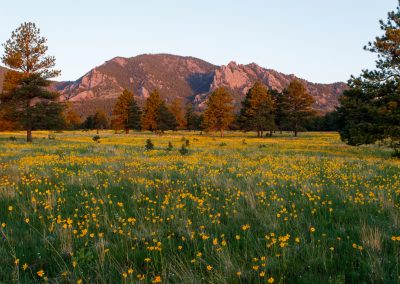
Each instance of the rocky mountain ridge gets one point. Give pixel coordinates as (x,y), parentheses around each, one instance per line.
(187,78)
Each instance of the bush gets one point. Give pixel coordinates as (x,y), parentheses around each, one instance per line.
(396,153)
(51,137)
(170,146)
(12,138)
(187,142)
(262,146)
(222,144)
(183,150)
(149,145)
(96,138)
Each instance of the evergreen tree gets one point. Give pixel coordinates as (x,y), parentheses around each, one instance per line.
(279,116)
(157,116)
(100,121)
(48,116)
(151,108)
(177,110)
(126,112)
(165,119)
(192,120)
(219,113)
(72,119)
(135,116)
(257,111)
(27,83)
(88,123)
(296,106)
(370,109)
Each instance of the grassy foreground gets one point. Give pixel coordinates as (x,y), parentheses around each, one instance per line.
(233,210)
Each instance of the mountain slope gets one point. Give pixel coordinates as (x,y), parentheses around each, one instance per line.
(187,78)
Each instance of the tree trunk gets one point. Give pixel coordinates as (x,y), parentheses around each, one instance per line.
(258,133)
(97,131)
(126,130)
(28,123)
(270,133)
(29,134)
(295,133)
(222,133)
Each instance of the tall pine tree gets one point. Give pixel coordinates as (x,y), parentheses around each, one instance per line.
(100,121)
(177,110)
(192,120)
(150,114)
(296,106)
(219,113)
(370,109)
(126,113)
(26,85)
(157,116)
(257,113)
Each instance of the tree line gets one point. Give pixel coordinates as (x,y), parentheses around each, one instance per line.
(262,111)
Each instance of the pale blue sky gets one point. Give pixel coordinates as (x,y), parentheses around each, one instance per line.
(318,40)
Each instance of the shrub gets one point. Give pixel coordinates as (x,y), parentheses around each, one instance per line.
(170,146)
(222,144)
(183,150)
(12,138)
(149,145)
(396,153)
(96,138)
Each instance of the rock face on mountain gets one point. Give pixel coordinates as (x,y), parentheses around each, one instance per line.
(240,78)
(187,78)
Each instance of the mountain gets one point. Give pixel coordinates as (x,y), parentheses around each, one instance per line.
(188,78)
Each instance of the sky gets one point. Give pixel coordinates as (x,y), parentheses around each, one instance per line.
(318,40)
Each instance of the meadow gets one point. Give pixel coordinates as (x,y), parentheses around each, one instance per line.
(237,209)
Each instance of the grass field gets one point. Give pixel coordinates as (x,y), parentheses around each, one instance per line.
(237,209)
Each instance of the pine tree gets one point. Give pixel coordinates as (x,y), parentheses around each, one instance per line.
(370,109)
(177,110)
(88,123)
(192,120)
(26,85)
(165,119)
(135,116)
(219,113)
(72,119)
(279,116)
(126,112)
(257,111)
(100,121)
(296,105)
(150,115)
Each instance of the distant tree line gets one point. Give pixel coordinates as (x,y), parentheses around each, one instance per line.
(262,111)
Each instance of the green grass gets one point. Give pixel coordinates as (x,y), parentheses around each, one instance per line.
(230,211)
